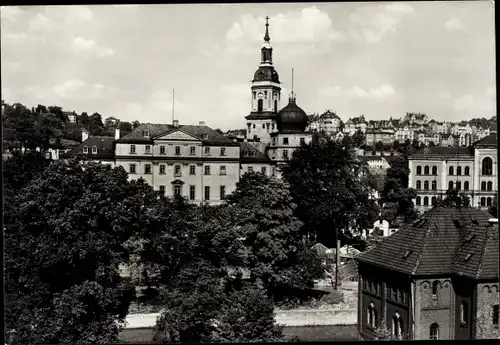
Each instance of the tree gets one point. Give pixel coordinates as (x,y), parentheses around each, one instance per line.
(396,197)
(328,184)
(379,146)
(135,124)
(493,209)
(96,126)
(72,225)
(20,169)
(84,119)
(484,321)
(125,128)
(358,138)
(395,145)
(453,198)
(189,252)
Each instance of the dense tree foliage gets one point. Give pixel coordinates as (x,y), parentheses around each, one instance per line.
(276,252)
(493,209)
(329,185)
(66,232)
(396,197)
(453,198)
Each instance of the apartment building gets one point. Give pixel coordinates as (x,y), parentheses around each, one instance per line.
(473,170)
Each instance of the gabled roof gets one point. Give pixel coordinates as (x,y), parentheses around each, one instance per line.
(252,154)
(105,147)
(154,130)
(489,141)
(329,115)
(438,243)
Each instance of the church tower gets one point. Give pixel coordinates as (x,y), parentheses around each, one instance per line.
(266,95)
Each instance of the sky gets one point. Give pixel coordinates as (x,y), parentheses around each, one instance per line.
(377,59)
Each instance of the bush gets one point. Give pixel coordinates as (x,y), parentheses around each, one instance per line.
(334,297)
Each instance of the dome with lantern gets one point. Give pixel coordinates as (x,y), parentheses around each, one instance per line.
(292,119)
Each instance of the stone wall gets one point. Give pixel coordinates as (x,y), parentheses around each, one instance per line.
(306,317)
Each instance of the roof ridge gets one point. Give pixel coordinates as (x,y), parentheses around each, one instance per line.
(483,250)
(422,247)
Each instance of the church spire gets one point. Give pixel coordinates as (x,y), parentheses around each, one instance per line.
(266,36)
(267,50)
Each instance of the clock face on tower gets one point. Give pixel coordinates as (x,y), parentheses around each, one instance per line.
(262,74)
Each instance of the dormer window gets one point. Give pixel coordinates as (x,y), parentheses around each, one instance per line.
(85,149)
(94,149)
(207,150)
(205,136)
(145,134)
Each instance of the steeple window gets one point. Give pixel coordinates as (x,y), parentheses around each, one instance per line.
(260,105)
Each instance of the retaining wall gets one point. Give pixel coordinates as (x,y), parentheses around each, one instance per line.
(306,317)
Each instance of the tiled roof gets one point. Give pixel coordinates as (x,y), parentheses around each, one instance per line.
(257,156)
(438,243)
(105,147)
(329,115)
(154,130)
(487,141)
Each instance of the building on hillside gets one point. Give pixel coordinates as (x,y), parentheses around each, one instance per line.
(464,139)
(416,118)
(329,122)
(404,133)
(71,116)
(377,165)
(355,124)
(111,121)
(432,278)
(373,136)
(448,140)
(313,123)
(427,138)
(473,170)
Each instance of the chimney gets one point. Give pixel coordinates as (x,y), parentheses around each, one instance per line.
(85,135)
(493,221)
(176,123)
(117,133)
(202,123)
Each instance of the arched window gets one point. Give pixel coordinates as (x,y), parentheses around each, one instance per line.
(459,185)
(463,313)
(397,326)
(487,166)
(434,332)
(426,170)
(419,184)
(466,185)
(426,200)
(450,171)
(433,201)
(434,170)
(483,185)
(467,171)
(260,105)
(489,185)
(426,185)
(372,316)
(488,202)
(483,201)
(434,185)
(459,170)
(418,200)
(435,286)
(275,106)
(450,185)
(419,170)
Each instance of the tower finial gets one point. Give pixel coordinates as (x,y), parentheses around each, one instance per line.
(266,36)
(292,94)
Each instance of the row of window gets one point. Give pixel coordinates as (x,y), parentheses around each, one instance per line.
(264,125)
(458,185)
(192,150)
(486,169)
(86,149)
(425,201)
(285,141)
(192,191)
(395,294)
(192,169)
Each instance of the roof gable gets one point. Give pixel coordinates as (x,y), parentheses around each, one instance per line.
(176,134)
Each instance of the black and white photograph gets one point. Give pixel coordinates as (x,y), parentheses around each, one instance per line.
(250,172)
